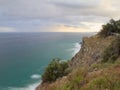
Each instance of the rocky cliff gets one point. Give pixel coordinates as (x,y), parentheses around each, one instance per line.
(86,67)
(91,51)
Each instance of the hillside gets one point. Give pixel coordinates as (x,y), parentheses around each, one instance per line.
(89,70)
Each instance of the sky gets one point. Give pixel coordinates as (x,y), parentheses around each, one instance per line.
(56,15)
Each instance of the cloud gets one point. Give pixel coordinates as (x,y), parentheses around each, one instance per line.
(57,8)
(75,3)
(39,15)
(64,28)
(7,29)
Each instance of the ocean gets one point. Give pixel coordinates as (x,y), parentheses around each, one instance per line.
(23,56)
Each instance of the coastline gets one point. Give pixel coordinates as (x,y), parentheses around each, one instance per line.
(30,58)
(28,87)
(87,64)
(76,48)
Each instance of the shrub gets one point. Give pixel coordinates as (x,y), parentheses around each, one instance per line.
(77,79)
(110,28)
(112,52)
(104,82)
(117,61)
(54,70)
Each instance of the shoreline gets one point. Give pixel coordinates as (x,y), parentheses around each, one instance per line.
(27,87)
(76,49)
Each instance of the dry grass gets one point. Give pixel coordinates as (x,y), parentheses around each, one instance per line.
(106,77)
(97,76)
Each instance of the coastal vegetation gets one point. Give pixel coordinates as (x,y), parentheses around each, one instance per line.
(95,67)
(112,52)
(54,70)
(97,77)
(111,28)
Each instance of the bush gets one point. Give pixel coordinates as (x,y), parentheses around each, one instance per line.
(110,28)
(104,82)
(54,70)
(112,52)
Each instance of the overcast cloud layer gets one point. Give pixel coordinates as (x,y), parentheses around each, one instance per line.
(56,15)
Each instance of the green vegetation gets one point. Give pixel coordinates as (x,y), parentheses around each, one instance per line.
(104,82)
(97,76)
(77,79)
(112,27)
(106,78)
(117,61)
(54,70)
(112,52)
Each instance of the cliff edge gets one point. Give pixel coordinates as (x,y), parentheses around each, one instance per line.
(96,66)
(91,51)
(85,66)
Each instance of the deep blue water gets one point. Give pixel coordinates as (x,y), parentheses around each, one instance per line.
(23,56)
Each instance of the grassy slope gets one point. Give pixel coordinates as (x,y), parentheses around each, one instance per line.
(97,77)
(88,73)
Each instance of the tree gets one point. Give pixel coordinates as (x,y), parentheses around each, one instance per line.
(110,28)
(54,70)
(112,52)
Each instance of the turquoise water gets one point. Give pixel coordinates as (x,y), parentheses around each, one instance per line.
(23,56)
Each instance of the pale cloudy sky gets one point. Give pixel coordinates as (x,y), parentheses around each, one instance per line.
(56,15)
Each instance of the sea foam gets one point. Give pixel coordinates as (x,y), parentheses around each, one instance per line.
(28,87)
(75,48)
(35,76)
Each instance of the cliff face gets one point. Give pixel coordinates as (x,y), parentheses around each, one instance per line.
(91,51)
(89,54)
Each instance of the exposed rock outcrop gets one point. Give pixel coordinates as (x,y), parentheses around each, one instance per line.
(90,53)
